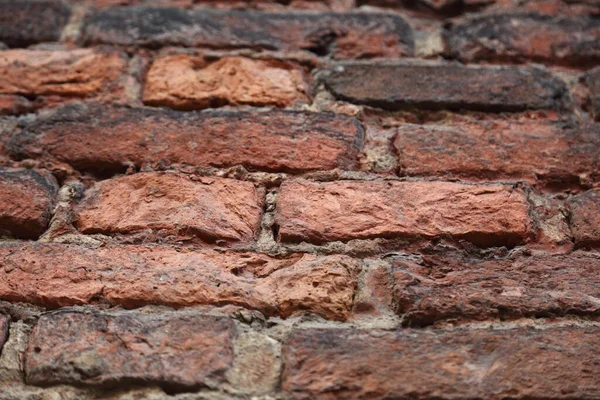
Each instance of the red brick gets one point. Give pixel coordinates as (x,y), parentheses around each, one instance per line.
(187,83)
(522,37)
(23,23)
(585,218)
(446,86)
(487,215)
(172,205)
(176,351)
(264,141)
(500,148)
(68,73)
(320,5)
(351,35)
(450,288)
(4,325)
(592,79)
(14,105)
(553,363)
(57,275)
(27,199)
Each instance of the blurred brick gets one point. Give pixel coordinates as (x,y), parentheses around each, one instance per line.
(446,86)
(585,218)
(26,22)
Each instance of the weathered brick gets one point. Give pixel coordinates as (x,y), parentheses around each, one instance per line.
(27,22)
(442,7)
(512,147)
(27,199)
(57,275)
(446,86)
(448,287)
(592,79)
(14,105)
(351,35)
(187,82)
(320,5)
(572,41)
(4,325)
(553,363)
(267,141)
(585,218)
(175,350)
(68,73)
(487,215)
(173,205)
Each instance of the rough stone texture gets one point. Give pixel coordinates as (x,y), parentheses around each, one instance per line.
(438,7)
(446,86)
(351,35)
(592,79)
(317,5)
(457,288)
(23,23)
(585,218)
(176,351)
(527,37)
(487,215)
(211,209)
(267,141)
(57,275)
(559,363)
(67,73)
(27,199)
(500,148)
(14,105)
(4,324)
(186,82)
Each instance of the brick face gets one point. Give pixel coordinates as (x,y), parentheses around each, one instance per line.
(173,350)
(453,87)
(27,199)
(339,35)
(338,363)
(585,218)
(265,141)
(527,37)
(184,82)
(69,73)
(23,23)
(493,215)
(502,148)
(446,288)
(56,275)
(170,205)
(592,79)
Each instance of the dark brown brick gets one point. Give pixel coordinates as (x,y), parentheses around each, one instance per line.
(27,22)
(352,35)
(176,351)
(446,86)
(488,215)
(91,138)
(14,105)
(449,288)
(592,79)
(553,363)
(58,275)
(571,41)
(514,147)
(27,199)
(585,218)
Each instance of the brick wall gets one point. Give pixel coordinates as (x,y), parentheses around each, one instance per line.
(306,199)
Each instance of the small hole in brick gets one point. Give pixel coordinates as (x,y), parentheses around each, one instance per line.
(315,284)
(37,349)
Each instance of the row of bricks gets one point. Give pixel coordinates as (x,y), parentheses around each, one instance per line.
(186,351)
(494,37)
(422,289)
(188,82)
(178,207)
